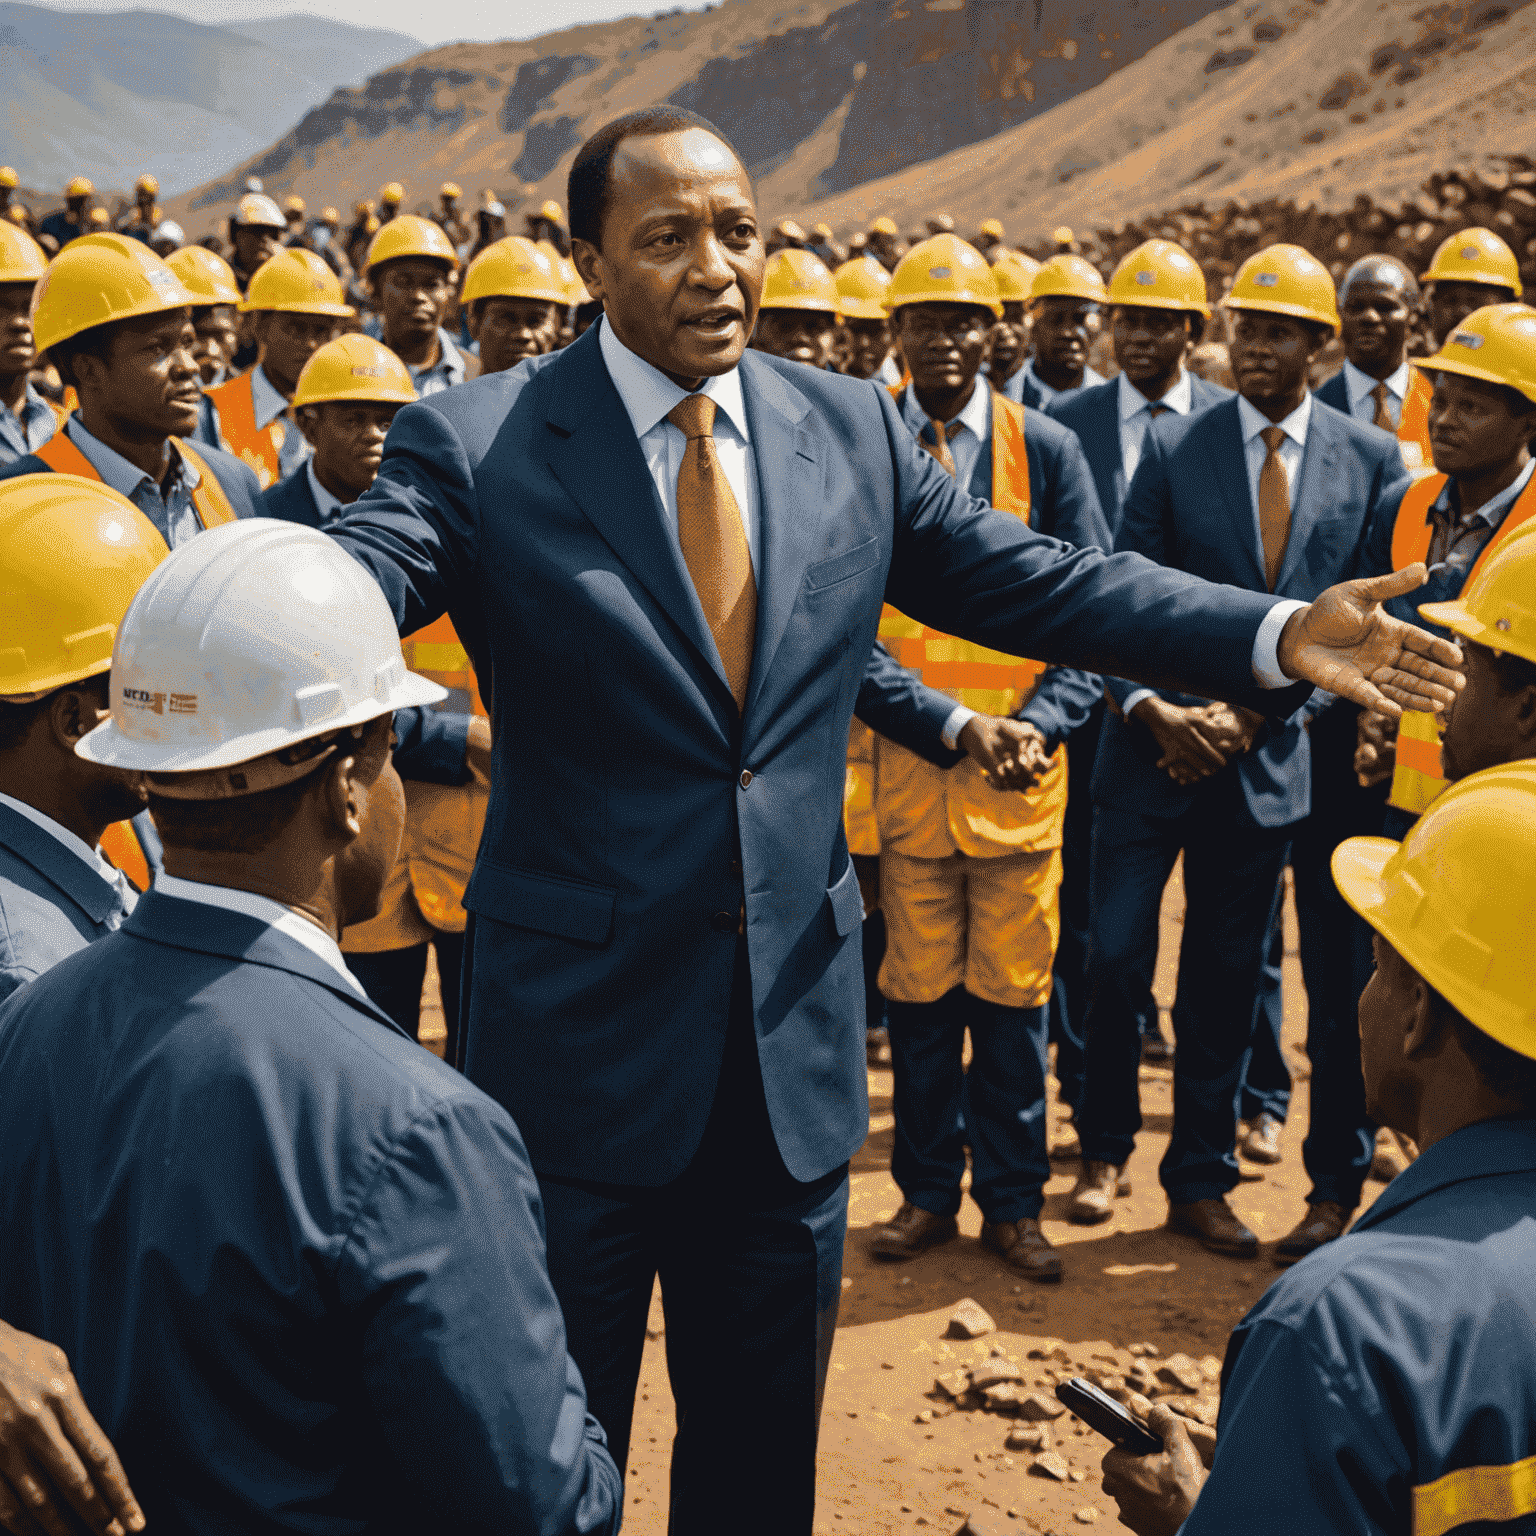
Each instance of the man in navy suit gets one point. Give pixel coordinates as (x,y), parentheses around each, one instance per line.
(1271,491)
(664,974)
(1157,313)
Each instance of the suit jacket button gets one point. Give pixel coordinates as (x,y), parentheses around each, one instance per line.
(723,922)
(746,777)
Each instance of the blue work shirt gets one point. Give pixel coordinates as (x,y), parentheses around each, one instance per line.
(1387,1383)
(297,1263)
(25,431)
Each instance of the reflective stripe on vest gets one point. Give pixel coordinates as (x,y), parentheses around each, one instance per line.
(259,447)
(208,499)
(120,843)
(1472,1495)
(1413,424)
(1418,777)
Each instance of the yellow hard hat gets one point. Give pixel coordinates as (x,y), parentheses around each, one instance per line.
(8,176)
(450,189)
(552,212)
(80,186)
(363,207)
(257,211)
(575,290)
(861,288)
(1160,275)
(147,183)
(100,217)
(1475,256)
(354,368)
(1448,898)
(99,279)
(993,227)
(1497,608)
(799,280)
(514,268)
(22,259)
(1068,277)
(204,274)
(1015,275)
(328,215)
(392,192)
(410,236)
(1285,280)
(75,553)
(1496,343)
(823,232)
(294,204)
(16,214)
(789,229)
(943,270)
(884,225)
(1063,235)
(296,282)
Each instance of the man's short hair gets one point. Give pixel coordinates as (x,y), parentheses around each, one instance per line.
(17,719)
(589,185)
(1505,1072)
(1511,672)
(96,342)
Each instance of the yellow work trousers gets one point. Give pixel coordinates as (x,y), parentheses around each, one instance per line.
(989,925)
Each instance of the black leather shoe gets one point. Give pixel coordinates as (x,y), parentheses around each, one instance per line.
(1216,1225)
(1024,1247)
(910,1231)
(1324,1221)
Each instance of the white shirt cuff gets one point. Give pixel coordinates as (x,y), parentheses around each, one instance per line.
(959,717)
(1133,699)
(1266,645)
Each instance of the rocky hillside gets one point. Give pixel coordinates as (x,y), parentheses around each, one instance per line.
(820,97)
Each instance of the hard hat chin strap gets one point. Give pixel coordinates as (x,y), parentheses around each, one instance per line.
(274,771)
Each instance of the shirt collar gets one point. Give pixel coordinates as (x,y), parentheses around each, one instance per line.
(264,910)
(266,399)
(450,361)
(117,472)
(1358,385)
(1180,398)
(1492,510)
(975,416)
(648,394)
(328,505)
(76,845)
(1294,426)
(1484,1150)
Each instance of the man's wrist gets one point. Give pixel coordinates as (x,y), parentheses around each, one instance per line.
(1267,671)
(960,717)
(1135,699)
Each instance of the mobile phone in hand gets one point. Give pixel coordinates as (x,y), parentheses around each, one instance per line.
(1098,1410)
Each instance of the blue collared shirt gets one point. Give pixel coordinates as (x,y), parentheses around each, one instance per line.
(448,370)
(1371,1377)
(269,404)
(25,432)
(171,511)
(1458,538)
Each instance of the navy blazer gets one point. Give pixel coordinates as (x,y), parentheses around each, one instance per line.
(51,902)
(1094,414)
(1190,507)
(296,1262)
(610,876)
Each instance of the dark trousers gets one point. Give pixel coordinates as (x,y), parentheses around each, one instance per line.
(1230,871)
(1266,1078)
(393,978)
(998,1106)
(751,1263)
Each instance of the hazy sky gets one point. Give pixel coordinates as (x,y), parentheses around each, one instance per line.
(431,23)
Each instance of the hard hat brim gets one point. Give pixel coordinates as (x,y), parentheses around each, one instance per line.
(335,311)
(1481,275)
(1357,864)
(1439,363)
(1462,621)
(801,301)
(907,300)
(1149,301)
(861,309)
(360,394)
(110,748)
(1280,307)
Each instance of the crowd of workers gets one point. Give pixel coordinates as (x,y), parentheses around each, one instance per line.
(180,433)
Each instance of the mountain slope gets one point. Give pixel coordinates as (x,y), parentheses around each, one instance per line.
(111,95)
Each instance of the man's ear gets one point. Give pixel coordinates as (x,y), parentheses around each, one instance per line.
(73,713)
(308,419)
(1428,1020)
(588,260)
(345,798)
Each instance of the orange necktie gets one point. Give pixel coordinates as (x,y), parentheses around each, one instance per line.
(714,542)
(938,445)
(1379,395)
(1274,505)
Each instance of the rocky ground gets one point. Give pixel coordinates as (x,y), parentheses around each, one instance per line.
(928,1430)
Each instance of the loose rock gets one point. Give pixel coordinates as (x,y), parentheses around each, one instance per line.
(970,1320)
(953,1383)
(1181,1372)
(1086,1515)
(994,1370)
(1022,1439)
(1210,1367)
(1004,1397)
(1049,1464)
(1036,1406)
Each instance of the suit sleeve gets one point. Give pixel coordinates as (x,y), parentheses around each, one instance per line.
(431,745)
(894,702)
(960,566)
(480,1409)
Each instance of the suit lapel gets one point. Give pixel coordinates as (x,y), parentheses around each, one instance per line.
(1319,459)
(1230,470)
(788,455)
(1104,456)
(595,455)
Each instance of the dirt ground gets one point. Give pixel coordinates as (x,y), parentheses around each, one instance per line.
(884,1473)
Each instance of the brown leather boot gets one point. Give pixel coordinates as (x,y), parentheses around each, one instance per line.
(1093,1196)
(1217,1226)
(910,1231)
(1325,1220)
(1024,1247)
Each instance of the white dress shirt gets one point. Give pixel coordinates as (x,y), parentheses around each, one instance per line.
(648,394)
(1362,404)
(273,913)
(1136,417)
(92,858)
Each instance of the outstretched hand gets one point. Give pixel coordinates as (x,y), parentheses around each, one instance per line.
(1347,643)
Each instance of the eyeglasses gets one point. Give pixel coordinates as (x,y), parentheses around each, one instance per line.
(929,327)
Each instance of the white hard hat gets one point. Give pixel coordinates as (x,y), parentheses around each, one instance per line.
(168,229)
(255,636)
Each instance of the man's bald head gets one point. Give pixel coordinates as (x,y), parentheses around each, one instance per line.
(1382,271)
(1377,300)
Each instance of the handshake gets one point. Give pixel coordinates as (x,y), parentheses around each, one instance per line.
(1197,740)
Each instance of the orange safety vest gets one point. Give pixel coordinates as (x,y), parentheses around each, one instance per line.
(1413,424)
(927,812)
(208,499)
(425,890)
(259,447)
(120,843)
(1417,775)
